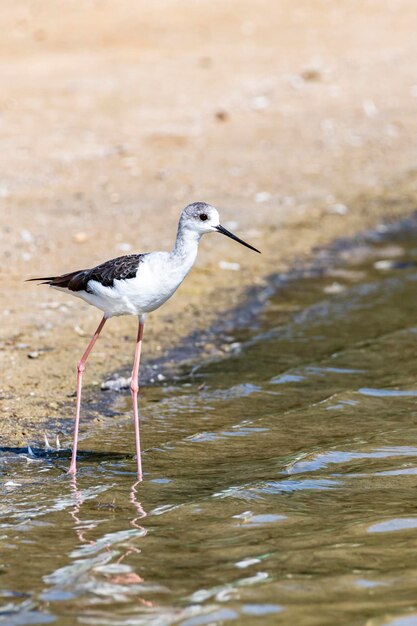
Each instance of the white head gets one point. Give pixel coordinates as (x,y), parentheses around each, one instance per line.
(201,218)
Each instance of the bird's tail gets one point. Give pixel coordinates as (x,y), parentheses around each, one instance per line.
(45,280)
(62,281)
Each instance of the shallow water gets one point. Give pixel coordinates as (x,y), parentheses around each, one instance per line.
(280,483)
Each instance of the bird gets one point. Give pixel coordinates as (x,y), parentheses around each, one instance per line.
(137,284)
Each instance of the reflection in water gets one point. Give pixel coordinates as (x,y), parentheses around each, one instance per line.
(117,574)
(80,528)
(280,488)
(137,505)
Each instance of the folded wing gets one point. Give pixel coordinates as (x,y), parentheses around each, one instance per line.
(106,273)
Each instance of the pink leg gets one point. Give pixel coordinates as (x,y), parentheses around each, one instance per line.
(134,388)
(80,370)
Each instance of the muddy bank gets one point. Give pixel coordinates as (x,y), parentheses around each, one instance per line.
(192,331)
(297,121)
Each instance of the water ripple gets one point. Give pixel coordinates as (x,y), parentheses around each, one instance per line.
(322,460)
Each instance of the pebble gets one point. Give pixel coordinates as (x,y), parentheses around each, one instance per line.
(80,237)
(260,103)
(34,354)
(384,264)
(369,108)
(26,235)
(247,562)
(221,116)
(116,384)
(225,265)
(334,288)
(311,73)
(338,209)
(262,196)
(124,246)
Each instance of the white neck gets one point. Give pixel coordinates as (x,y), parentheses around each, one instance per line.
(186,246)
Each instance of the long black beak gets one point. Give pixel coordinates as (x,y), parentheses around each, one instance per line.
(223,231)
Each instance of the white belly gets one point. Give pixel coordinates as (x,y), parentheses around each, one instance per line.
(153,285)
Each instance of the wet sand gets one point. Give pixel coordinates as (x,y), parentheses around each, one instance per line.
(297,121)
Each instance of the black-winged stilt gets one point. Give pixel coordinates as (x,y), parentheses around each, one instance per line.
(137,284)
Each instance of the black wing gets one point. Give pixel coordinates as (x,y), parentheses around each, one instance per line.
(106,273)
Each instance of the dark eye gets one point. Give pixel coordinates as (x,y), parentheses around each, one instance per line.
(203,217)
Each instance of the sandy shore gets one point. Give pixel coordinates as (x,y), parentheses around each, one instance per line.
(296,119)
